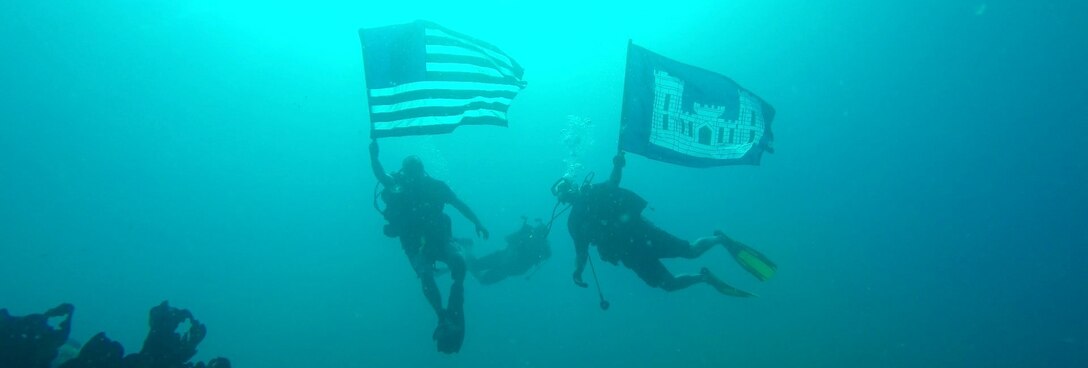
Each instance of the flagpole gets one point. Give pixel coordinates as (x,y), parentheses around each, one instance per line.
(623,104)
(366,90)
(366,99)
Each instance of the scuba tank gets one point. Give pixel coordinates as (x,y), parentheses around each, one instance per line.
(391,196)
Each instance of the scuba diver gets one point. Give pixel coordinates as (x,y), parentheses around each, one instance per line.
(610,217)
(414,211)
(525,248)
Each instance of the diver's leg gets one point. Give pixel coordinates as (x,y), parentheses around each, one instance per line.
(512,267)
(665,245)
(451,331)
(699,247)
(423,265)
(479,266)
(456,263)
(430,290)
(654,273)
(492,276)
(682,282)
(503,264)
(456,304)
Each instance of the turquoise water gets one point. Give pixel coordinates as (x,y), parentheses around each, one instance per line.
(926,204)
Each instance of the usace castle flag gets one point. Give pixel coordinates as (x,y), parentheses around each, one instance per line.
(423,78)
(681,114)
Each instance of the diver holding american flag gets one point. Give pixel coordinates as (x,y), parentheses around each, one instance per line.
(414,203)
(423,79)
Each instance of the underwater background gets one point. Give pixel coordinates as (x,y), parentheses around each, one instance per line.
(926,205)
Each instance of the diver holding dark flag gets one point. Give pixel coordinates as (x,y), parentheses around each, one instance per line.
(414,211)
(681,114)
(610,217)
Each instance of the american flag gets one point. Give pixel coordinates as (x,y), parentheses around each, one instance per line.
(423,78)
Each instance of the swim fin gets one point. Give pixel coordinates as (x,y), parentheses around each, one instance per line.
(722,287)
(449,336)
(450,333)
(750,259)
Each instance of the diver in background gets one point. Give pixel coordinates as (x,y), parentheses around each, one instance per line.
(525,248)
(610,217)
(414,209)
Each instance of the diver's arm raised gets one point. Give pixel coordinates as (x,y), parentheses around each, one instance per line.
(376,165)
(618,163)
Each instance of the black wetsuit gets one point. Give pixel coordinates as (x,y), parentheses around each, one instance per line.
(524,249)
(610,217)
(414,211)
